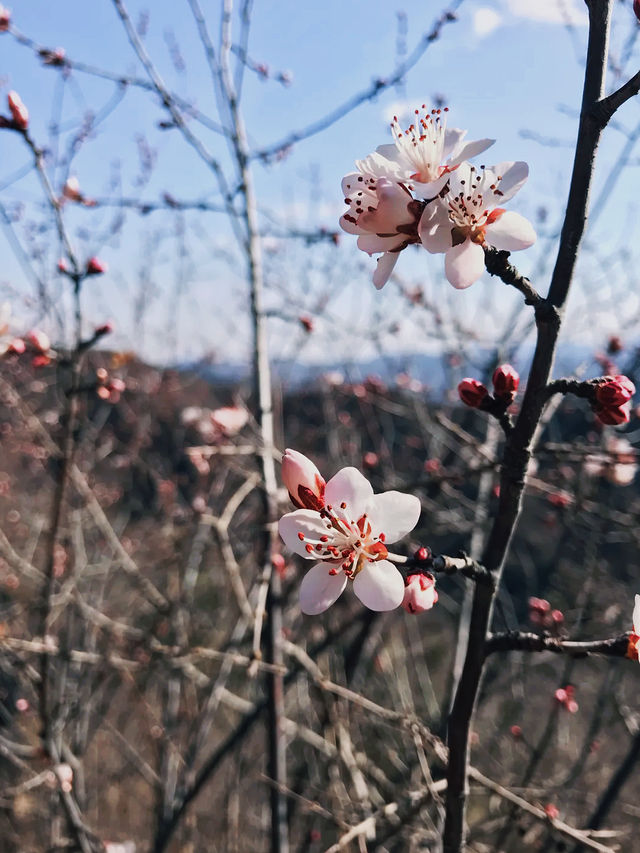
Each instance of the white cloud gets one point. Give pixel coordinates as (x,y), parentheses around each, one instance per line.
(485,21)
(550,11)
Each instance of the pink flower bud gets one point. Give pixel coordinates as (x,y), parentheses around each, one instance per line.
(551,811)
(39,341)
(19,112)
(306,323)
(5,19)
(472,393)
(636,8)
(614,415)
(22,705)
(302,480)
(557,616)
(117,385)
(419,593)
(614,391)
(516,732)
(62,265)
(505,381)
(17,346)
(370,459)
(96,267)
(572,706)
(561,695)
(422,554)
(71,190)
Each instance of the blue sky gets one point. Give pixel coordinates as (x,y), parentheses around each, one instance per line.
(509,69)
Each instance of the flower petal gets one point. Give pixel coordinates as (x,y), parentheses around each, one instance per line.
(636,615)
(319,589)
(349,226)
(453,137)
(351,487)
(392,209)
(511,232)
(469,150)
(464,264)
(384,268)
(372,243)
(305,521)
(435,228)
(513,175)
(379,586)
(430,190)
(394,514)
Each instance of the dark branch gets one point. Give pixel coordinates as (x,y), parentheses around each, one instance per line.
(497,263)
(527,642)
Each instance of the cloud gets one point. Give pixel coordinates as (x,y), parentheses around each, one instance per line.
(550,11)
(485,21)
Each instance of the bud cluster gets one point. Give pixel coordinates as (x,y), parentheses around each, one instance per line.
(505,386)
(540,613)
(612,399)
(564,697)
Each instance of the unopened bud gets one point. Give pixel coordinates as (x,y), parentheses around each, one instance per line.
(39,341)
(5,19)
(419,593)
(636,8)
(614,415)
(472,392)
(104,329)
(516,732)
(302,480)
(306,323)
(614,391)
(422,554)
(71,189)
(17,346)
(551,811)
(19,112)
(96,267)
(505,381)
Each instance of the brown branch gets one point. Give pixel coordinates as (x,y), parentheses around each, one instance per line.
(528,642)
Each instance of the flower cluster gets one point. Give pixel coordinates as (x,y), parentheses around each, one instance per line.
(505,386)
(422,190)
(613,399)
(540,613)
(346,528)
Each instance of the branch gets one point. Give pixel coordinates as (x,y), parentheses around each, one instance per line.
(606,107)
(528,642)
(497,263)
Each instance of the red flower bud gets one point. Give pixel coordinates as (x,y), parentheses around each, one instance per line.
(104,329)
(615,345)
(96,267)
(472,393)
(551,811)
(17,346)
(613,415)
(614,391)
(422,554)
(19,112)
(636,8)
(505,381)
(419,593)
(516,732)
(5,19)
(306,323)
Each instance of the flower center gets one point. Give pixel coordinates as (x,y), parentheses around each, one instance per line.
(470,209)
(422,143)
(350,542)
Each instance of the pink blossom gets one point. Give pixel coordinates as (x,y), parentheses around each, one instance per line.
(348,537)
(419,593)
(467,219)
(229,419)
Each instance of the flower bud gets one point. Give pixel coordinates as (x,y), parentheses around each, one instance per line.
(419,593)
(17,346)
(422,554)
(614,391)
(615,345)
(19,112)
(62,266)
(39,341)
(551,811)
(303,481)
(614,415)
(472,393)
(96,267)
(71,189)
(505,381)
(516,732)
(5,19)
(104,329)
(636,8)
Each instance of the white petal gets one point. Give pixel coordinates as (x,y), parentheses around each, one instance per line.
(383,164)
(394,514)
(464,264)
(307,522)
(636,616)
(514,175)
(435,228)
(511,232)
(319,589)
(353,182)
(453,137)
(429,190)
(350,487)
(350,227)
(384,268)
(379,586)
(471,149)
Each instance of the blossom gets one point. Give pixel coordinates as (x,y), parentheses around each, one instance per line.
(303,481)
(419,593)
(634,636)
(383,214)
(71,189)
(427,151)
(348,537)
(229,419)
(617,463)
(467,219)
(472,392)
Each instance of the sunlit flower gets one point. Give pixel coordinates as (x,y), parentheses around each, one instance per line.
(229,419)
(384,215)
(427,151)
(348,537)
(468,218)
